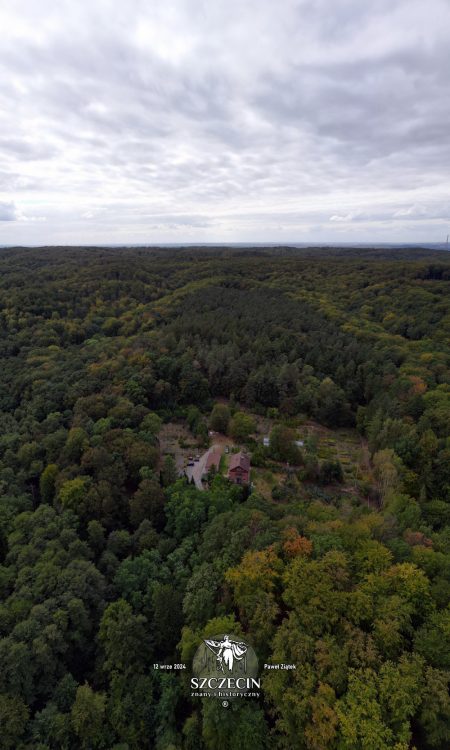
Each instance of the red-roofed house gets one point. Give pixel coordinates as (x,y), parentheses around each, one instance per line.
(239,468)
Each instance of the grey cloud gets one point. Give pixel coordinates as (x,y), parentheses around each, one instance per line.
(7,212)
(311,116)
(25,150)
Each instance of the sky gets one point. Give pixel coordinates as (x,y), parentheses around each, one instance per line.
(152,121)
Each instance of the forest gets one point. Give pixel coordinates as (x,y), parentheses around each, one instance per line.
(110,561)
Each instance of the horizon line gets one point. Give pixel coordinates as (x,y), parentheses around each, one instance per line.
(386,244)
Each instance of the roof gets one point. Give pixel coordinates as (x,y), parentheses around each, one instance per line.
(240,460)
(213,458)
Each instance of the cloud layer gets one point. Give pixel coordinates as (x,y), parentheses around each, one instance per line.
(303,120)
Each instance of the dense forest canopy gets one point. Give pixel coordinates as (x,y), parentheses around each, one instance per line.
(110,562)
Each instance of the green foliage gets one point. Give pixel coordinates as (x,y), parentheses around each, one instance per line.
(47,483)
(253,583)
(147,503)
(220,418)
(375,712)
(13,720)
(124,638)
(76,443)
(331,472)
(240,726)
(283,447)
(435,709)
(241,426)
(72,494)
(151,423)
(187,509)
(110,563)
(88,716)
(168,472)
(433,639)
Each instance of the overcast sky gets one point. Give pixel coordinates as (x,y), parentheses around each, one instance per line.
(224,120)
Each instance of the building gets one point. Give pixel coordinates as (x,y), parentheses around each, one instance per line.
(239,468)
(212,459)
(298,443)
